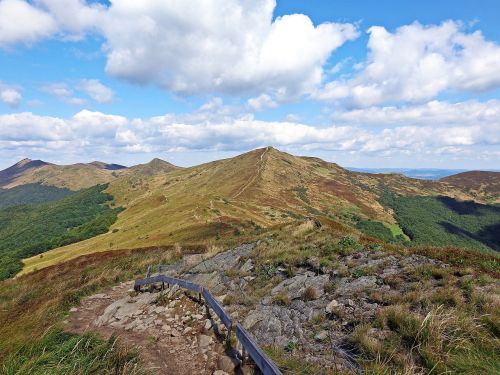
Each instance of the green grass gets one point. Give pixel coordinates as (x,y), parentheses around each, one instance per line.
(381,231)
(396,231)
(30,194)
(29,230)
(61,353)
(444,221)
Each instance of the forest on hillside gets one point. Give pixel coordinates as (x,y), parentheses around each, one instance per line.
(445,221)
(30,194)
(30,229)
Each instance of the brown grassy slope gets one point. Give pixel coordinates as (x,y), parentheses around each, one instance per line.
(261,188)
(23,166)
(152,168)
(32,304)
(481,185)
(75,176)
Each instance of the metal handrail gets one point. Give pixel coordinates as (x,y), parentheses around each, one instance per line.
(263,362)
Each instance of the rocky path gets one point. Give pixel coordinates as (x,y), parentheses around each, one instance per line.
(170,329)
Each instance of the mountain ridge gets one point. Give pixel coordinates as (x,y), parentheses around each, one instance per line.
(74,176)
(250,192)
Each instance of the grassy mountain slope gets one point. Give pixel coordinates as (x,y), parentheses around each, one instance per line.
(155,166)
(481,185)
(25,166)
(240,196)
(75,176)
(31,193)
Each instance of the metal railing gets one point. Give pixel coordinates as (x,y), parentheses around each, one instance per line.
(262,361)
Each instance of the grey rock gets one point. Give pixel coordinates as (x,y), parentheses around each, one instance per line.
(329,309)
(248,266)
(175,333)
(204,341)
(208,324)
(223,261)
(296,285)
(275,325)
(227,364)
(347,286)
(125,307)
(321,336)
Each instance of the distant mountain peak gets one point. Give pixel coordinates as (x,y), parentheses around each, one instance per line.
(23,161)
(9,174)
(29,163)
(155,166)
(110,167)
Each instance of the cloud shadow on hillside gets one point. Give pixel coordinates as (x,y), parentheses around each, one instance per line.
(488,236)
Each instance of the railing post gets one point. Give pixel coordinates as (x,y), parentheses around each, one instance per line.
(243,355)
(228,336)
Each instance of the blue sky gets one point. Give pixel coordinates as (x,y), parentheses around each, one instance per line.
(361,83)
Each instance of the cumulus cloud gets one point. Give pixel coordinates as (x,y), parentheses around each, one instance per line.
(97,91)
(63,92)
(441,113)
(10,95)
(74,18)
(90,87)
(261,102)
(20,22)
(200,46)
(417,63)
(431,129)
(226,46)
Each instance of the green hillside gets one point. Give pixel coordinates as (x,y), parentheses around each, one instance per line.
(29,230)
(444,221)
(30,194)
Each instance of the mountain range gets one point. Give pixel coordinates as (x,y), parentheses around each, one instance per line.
(74,176)
(165,204)
(307,255)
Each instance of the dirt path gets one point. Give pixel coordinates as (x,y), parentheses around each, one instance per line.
(169,329)
(254,177)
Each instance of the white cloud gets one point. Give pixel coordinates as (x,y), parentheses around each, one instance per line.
(467,113)
(261,102)
(74,18)
(417,63)
(225,46)
(91,87)
(10,95)
(431,129)
(21,22)
(201,46)
(63,93)
(97,91)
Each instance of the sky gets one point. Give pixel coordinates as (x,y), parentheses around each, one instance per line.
(361,83)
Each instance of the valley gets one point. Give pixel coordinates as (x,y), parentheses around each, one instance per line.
(378,267)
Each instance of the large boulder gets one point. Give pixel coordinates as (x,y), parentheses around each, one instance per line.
(296,285)
(223,261)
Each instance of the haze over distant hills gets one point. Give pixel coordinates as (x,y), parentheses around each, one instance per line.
(420,173)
